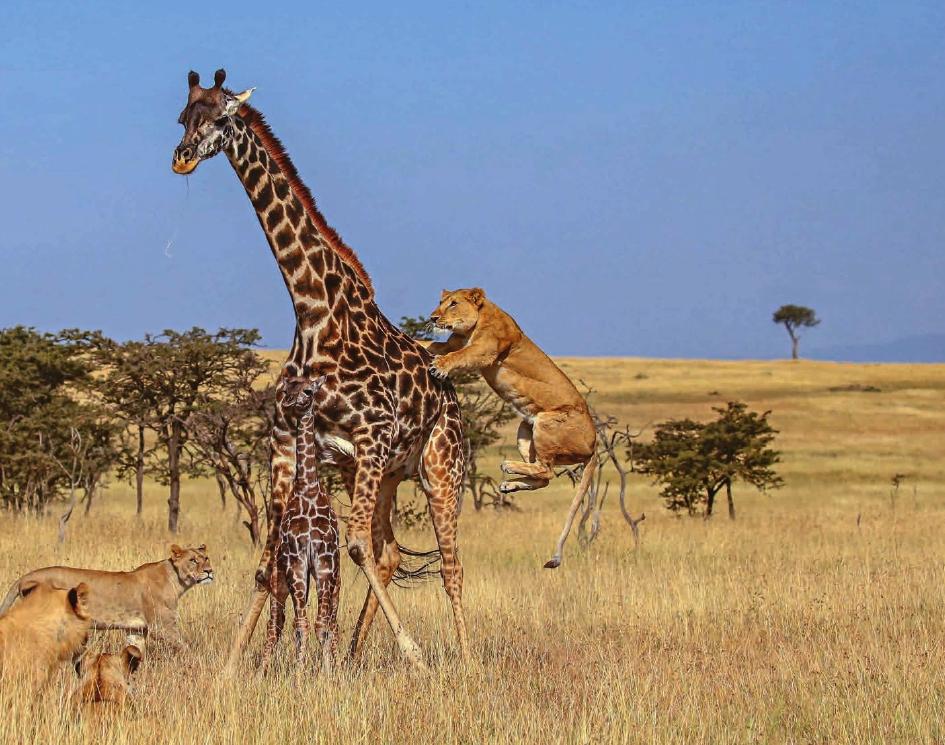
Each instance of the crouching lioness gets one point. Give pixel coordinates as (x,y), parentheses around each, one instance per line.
(556,428)
(48,627)
(142,601)
(106,677)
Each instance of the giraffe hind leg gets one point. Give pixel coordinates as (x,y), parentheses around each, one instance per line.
(442,467)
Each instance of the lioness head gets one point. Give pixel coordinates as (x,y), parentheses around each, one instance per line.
(72,602)
(458,310)
(105,677)
(192,565)
(49,625)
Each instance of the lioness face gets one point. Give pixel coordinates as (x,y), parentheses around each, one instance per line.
(192,565)
(458,310)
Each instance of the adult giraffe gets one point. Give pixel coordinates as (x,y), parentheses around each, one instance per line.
(379,415)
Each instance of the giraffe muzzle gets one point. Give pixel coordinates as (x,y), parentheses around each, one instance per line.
(185,160)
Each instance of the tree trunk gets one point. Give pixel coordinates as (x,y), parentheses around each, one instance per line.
(731,500)
(173,465)
(252,524)
(221,486)
(709,502)
(794,341)
(89,495)
(139,473)
(64,518)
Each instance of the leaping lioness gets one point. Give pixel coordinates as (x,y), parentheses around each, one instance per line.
(556,428)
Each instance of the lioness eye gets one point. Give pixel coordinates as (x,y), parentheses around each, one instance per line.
(452,304)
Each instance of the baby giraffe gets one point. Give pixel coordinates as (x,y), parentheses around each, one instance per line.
(307,546)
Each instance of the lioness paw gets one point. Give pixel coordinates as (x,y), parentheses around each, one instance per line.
(438,373)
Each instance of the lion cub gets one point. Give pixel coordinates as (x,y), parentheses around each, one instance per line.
(556,428)
(49,626)
(142,601)
(106,677)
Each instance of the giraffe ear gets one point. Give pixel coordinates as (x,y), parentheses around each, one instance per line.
(218,77)
(234,101)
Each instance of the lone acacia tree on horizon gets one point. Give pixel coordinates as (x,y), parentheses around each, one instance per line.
(794,317)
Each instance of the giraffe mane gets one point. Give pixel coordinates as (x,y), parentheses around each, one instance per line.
(274,147)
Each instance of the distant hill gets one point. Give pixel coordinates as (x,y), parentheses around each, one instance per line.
(922,348)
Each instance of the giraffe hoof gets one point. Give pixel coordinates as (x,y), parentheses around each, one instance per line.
(553,563)
(507,487)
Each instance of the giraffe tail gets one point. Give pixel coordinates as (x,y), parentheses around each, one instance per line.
(418,567)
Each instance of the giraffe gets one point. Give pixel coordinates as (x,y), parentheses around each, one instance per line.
(380,415)
(307,544)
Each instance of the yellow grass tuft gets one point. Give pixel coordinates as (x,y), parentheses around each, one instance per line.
(798,623)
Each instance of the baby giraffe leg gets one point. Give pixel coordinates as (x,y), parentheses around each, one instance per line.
(328,584)
(274,630)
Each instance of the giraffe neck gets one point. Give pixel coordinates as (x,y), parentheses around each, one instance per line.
(306,455)
(324,278)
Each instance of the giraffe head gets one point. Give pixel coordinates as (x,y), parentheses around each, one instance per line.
(207,120)
(299,394)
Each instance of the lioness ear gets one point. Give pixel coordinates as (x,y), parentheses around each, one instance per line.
(444,294)
(78,600)
(176,551)
(202,548)
(476,296)
(27,587)
(131,658)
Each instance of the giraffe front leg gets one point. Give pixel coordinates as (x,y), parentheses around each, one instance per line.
(282,473)
(387,556)
(372,455)
(278,593)
(273,631)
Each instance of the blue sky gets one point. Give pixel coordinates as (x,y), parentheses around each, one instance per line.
(625,179)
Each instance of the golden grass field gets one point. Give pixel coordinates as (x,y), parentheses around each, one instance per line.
(818,616)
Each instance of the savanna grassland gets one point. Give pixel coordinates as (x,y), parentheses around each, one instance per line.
(818,616)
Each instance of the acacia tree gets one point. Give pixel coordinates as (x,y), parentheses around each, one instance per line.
(123,386)
(192,367)
(44,381)
(229,433)
(794,317)
(693,461)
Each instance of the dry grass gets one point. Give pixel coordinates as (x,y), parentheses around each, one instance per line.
(795,624)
